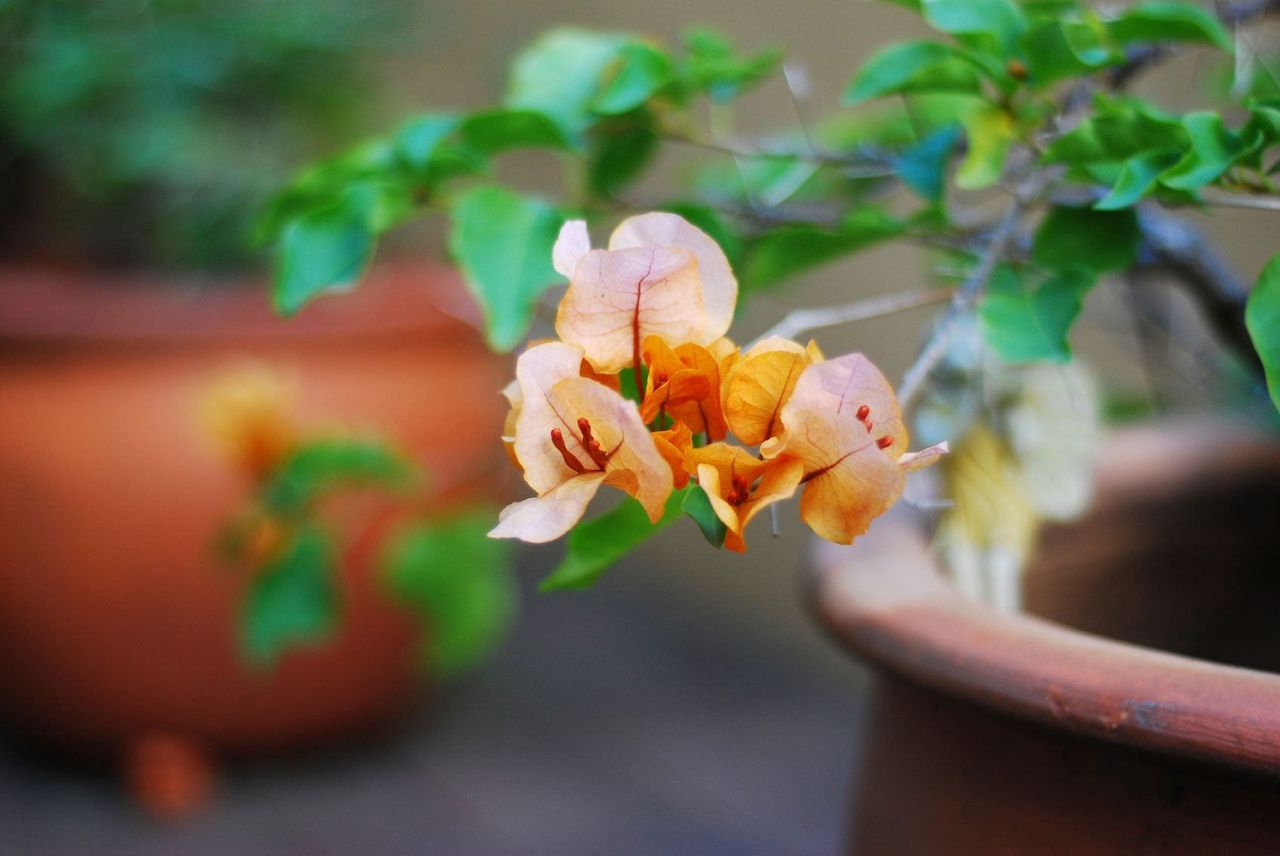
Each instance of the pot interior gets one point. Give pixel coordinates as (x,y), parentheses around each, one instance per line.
(1181,551)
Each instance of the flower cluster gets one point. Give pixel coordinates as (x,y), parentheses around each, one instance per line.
(657,304)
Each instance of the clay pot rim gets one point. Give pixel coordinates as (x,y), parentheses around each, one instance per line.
(84,307)
(887,600)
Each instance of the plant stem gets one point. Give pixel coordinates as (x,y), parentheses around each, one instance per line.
(802,320)
(967,294)
(1239,200)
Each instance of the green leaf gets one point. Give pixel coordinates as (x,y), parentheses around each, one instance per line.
(1262,318)
(1002,20)
(619,156)
(1213,150)
(1119,129)
(503,242)
(326,250)
(715,67)
(1264,119)
(419,140)
(500,130)
(1138,176)
(1023,322)
(788,250)
(1170,22)
(1057,49)
(594,546)
(914,67)
(324,464)
(459,581)
(561,74)
(642,71)
(291,601)
(923,167)
(697,506)
(1086,238)
(325,185)
(989,132)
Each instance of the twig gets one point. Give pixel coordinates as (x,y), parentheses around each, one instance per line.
(815,156)
(967,294)
(1180,249)
(803,320)
(1225,199)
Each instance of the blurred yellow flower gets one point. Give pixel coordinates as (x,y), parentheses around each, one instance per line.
(249,413)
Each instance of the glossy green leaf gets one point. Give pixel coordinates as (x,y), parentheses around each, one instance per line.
(1058,49)
(459,581)
(325,250)
(697,506)
(1086,238)
(320,465)
(641,71)
(419,140)
(561,74)
(1262,317)
(1000,19)
(1264,119)
(989,132)
(1213,149)
(788,250)
(914,67)
(326,185)
(292,601)
(503,241)
(1119,129)
(1024,321)
(593,547)
(1170,22)
(1138,177)
(494,131)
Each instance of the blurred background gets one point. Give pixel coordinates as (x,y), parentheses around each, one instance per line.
(687,704)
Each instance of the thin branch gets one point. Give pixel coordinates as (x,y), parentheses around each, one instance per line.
(815,156)
(804,320)
(967,295)
(1183,251)
(1224,199)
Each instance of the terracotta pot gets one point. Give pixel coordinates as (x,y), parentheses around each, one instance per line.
(1010,733)
(117,620)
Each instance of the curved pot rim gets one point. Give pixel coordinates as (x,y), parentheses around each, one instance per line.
(62,307)
(887,600)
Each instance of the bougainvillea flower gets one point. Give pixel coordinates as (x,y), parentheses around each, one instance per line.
(843,421)
(741,485)
(675,444)
(660,276)
(685,384)
(516,399)
(249,412)
(759,384)
(573,435)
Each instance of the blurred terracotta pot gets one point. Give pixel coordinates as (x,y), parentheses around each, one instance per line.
(991,733)
(116,619)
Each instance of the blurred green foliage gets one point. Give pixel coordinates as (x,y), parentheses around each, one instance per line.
(934,116)
(148,132)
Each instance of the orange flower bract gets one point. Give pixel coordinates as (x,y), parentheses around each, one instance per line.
(572,435)
(660,299)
